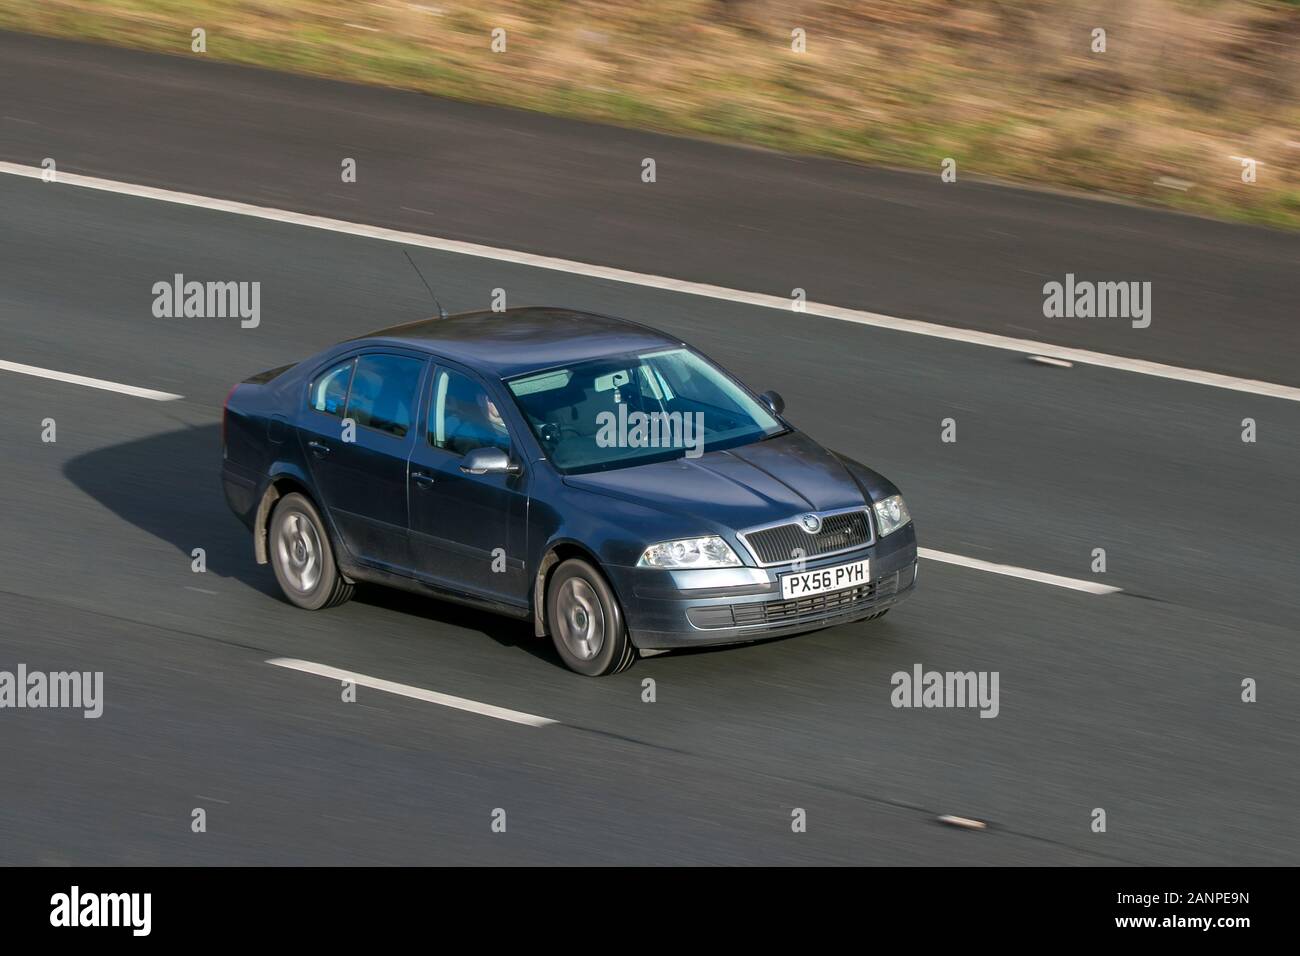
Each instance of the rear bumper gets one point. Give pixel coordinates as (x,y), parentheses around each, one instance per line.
(661,614)
(243,491)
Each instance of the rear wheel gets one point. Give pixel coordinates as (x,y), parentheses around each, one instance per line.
(302,558)
(586,621)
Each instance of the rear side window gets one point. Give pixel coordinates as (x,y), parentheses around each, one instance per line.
(383,392)
(329,393)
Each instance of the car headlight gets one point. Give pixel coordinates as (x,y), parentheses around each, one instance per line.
(707,552)
(891,514)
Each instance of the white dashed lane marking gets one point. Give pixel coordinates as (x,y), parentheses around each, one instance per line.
(1027,574)
(85,380)
(415,693)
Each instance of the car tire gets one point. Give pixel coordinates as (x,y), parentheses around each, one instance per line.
(586,621)
(301,556)
(876,616)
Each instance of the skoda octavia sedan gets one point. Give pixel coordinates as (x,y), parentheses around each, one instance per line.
(597,477)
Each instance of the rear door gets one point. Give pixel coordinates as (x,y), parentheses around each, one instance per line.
(467,531)
(357,435)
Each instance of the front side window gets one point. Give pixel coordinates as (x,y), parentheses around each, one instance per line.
(462,416)
(384,391)
(329,393)
(632,409)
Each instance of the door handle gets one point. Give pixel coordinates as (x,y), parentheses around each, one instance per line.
(318,449)
(423,479)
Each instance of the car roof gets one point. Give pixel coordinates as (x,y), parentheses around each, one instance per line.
(518,341)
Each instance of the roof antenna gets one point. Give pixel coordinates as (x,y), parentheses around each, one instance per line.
(442,313)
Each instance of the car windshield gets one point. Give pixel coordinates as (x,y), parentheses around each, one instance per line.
(628,410)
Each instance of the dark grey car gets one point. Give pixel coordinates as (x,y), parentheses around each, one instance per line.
(596,476)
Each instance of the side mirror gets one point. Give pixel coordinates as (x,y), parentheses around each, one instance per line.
(488,461)
(773,400)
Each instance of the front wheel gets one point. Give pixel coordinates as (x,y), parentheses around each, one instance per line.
(586,621)
(302,558)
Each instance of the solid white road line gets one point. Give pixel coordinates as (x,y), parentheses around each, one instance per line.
(1048,360)
(1074,584)
(934,330)
(89,382)
(415,693)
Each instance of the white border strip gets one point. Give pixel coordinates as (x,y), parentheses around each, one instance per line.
(934,330)
(415,693)
(1074,584)
(88,382)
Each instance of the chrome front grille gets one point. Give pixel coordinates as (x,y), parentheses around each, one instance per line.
(783,543)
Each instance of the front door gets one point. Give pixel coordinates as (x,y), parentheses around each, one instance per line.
(467,531)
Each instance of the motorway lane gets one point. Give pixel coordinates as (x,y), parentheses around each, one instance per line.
(1118,711)
(287,774)
(1048,463)
(1114,712)
(967,254)
(1120,702)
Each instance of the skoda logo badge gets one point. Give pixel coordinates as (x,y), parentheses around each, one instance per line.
(811,523)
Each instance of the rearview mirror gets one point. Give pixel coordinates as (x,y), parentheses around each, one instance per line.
(488,461)
(773,400)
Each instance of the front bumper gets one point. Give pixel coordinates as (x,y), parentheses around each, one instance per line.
(662,613)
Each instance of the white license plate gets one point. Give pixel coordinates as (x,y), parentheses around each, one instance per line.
(824,580)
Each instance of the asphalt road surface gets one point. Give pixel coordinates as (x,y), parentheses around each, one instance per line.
(1130,702)
(964,254)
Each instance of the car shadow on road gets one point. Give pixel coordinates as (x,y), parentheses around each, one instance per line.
(506,631)
(169,485)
